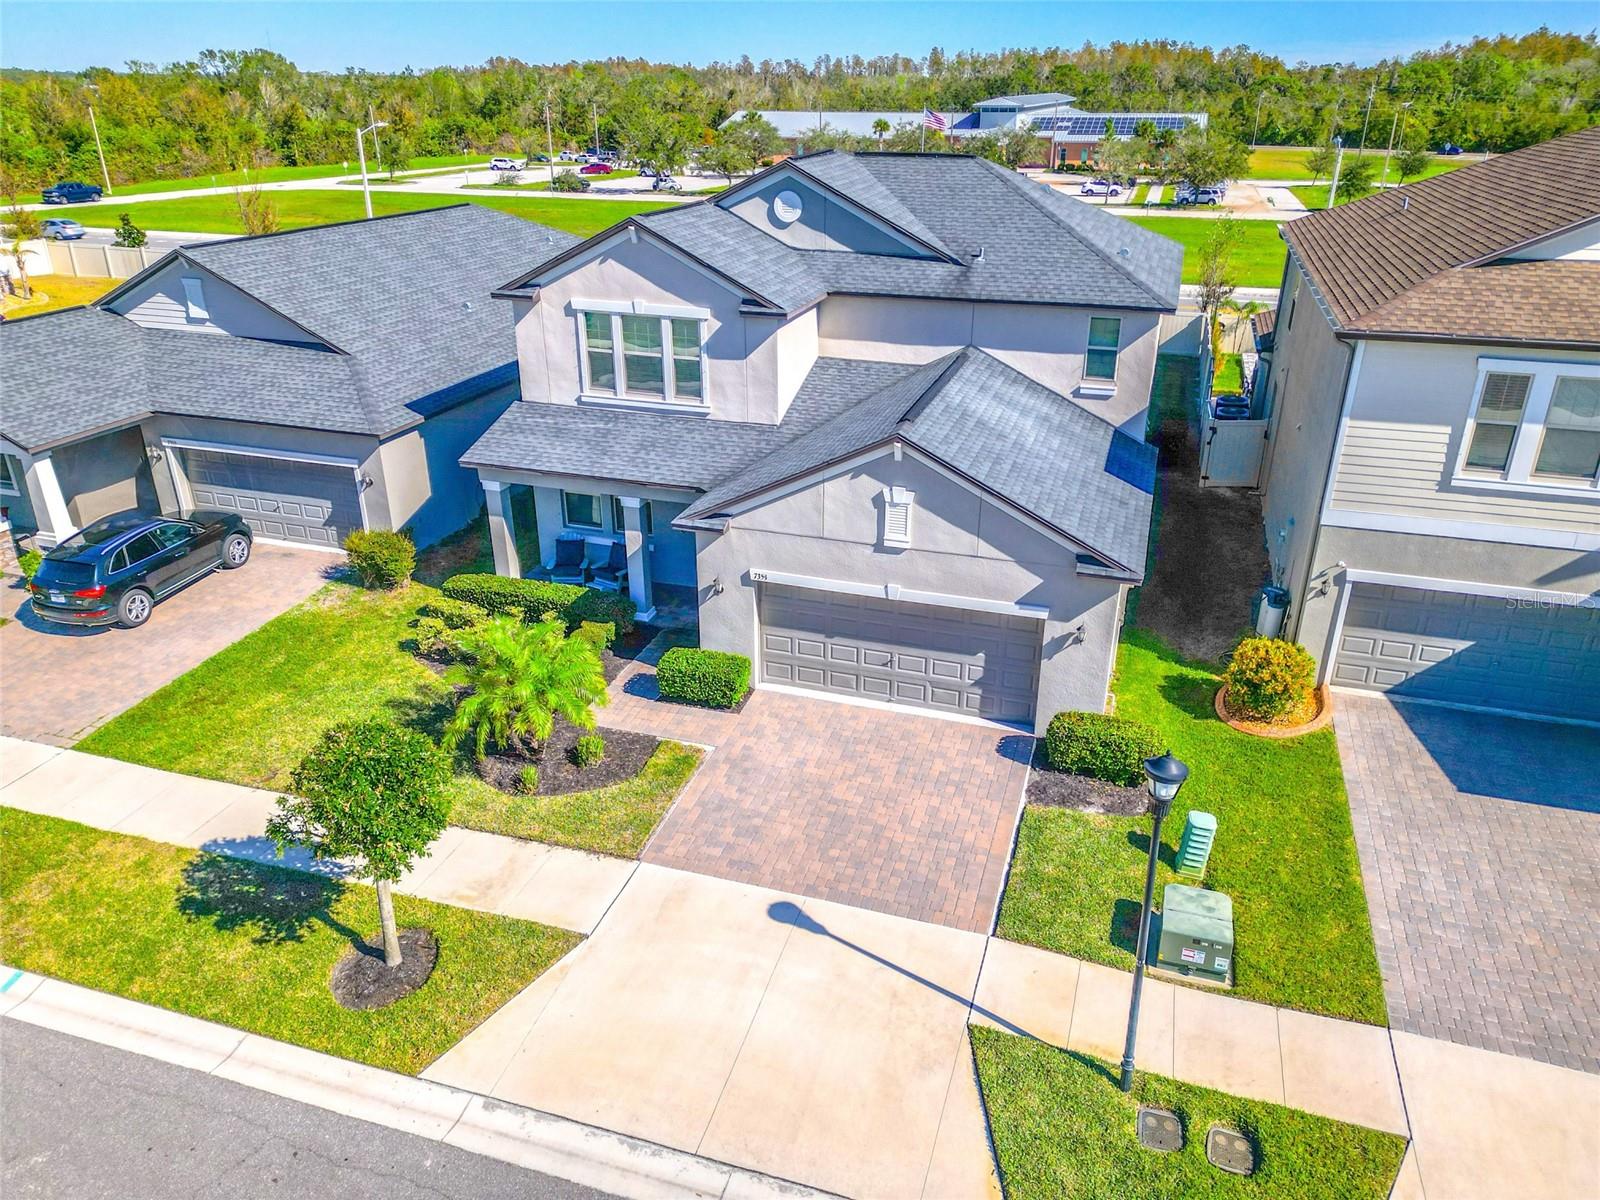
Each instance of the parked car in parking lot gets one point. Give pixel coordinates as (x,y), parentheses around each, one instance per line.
(665,183)
(1187,193)
(71,192)
(1451,148)
(507,164)
(1101,187)
(595,168)
(61,229)
(114,571)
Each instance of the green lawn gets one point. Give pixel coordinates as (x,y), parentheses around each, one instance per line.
(219,214)
(248,714)
(1229,376)
(1062,1128)
(1285,852)
(267,175)
(1288,162)
(1258,257)
(247,945)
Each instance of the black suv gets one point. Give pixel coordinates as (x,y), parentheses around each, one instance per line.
(70,192)
(113,571)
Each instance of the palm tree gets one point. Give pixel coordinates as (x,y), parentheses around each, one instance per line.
(1243,310)
(520,677)
(881,128)
(21,227)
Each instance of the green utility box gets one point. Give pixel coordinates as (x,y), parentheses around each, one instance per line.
(1196,933)
(1199,832)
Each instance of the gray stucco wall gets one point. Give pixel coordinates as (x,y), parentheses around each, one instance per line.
(104,475)
(962,546)
(427,489)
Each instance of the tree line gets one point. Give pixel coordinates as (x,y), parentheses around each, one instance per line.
(232,108)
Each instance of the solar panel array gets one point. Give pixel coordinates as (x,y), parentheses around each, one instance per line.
(1090,126)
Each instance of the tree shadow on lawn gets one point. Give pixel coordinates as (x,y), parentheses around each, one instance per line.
(278,904)
(1192,694)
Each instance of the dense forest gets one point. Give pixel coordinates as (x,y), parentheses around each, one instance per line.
(248,108)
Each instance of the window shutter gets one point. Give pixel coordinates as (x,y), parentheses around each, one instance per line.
(897,516)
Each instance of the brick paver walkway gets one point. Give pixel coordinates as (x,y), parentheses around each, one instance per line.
(890,811)
(1478,837)
(58,683)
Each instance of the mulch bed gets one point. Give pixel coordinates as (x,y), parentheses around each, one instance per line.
(626,754)
(1062,789)
(361,979)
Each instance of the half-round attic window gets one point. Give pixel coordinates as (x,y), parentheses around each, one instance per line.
(786,207)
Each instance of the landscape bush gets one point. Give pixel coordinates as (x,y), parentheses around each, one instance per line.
(1268,678)
(381,558)
(528,779)
(533,599)
(455,614)
(1101,746)
(28,563)
(601,633)
(569,181)
(712,678)
(433,637)
(588,750)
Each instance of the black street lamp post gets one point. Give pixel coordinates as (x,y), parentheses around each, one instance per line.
(1165,775)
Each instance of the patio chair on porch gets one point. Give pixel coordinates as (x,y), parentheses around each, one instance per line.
(568,565)
(612,575)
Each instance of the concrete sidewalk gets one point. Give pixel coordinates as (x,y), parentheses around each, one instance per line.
(484,871)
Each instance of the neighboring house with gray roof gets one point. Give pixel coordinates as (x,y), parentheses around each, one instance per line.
(1432,487)
(316,381)
(879,419)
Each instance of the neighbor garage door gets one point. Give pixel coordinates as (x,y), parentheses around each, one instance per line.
(312,503)
(976,663)
(1481,650)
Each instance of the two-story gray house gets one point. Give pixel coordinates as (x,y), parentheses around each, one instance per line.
(1432,487)
(878,417)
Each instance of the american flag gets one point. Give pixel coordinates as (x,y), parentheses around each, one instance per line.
(933,120)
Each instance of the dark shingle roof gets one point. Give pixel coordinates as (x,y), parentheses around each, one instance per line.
(995,426)
(1554,301)
(391,295)
(1363,255)
(736,249)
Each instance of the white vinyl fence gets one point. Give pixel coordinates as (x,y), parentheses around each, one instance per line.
(106,262)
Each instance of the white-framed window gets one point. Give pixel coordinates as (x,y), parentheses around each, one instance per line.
(10,475)
(581,510)
(897,503)
(1533,425)
(1100,362)
(644,356)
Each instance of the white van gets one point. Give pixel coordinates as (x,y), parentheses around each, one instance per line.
(507,164)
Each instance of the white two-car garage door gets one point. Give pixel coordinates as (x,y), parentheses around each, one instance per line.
(1542,659)
(978,664)
(289,500)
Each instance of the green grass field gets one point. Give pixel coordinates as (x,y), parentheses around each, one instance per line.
(1285,851)
(1288,162)
(1258,258)
(248,945)
(267,175)
(296,209)
(1062,1128)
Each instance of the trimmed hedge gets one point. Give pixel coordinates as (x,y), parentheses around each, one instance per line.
(454,614)
(531,599)
(1101,746)
(712,678)
(381,558)
(1268,678)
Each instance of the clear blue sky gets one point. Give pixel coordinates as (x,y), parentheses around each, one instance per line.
(384,36)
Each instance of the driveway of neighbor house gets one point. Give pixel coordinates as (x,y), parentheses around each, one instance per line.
(891,811)
(61,683)
(1477,835)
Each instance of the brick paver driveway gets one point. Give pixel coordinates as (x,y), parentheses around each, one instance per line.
(890,811)
(58,683)
(1478,838)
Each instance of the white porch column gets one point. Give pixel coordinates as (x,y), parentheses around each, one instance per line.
(49,502)
(502,529)
(637,544)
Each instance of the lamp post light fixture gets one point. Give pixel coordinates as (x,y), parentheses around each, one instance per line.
(1164,776)
(361,153)
(1338,161)
(98,148)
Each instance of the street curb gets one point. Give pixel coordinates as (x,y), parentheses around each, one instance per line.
(523,1137)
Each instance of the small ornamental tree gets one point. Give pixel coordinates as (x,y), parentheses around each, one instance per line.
(519,677)
(129,234)
(371,792)
(1412,161)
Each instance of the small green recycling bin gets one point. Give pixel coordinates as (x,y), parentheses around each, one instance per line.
(1196,933)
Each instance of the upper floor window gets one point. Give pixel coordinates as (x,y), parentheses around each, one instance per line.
(1534,423)
(645,357)
(1101,360)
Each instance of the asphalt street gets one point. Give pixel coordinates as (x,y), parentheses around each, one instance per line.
(82,1121)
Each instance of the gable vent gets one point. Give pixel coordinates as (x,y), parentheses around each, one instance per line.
(897,503)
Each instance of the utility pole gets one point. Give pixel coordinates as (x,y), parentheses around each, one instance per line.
(377,146)
(361,153)
(1338,161)
(100,150)
(1384,178)
(1371,92)
(594,108)
(1256,128)
(549,140)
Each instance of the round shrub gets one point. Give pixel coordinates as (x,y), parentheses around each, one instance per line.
(381,558)
(712,678)
(454,614)
(28,563)
(601,633)
(528,779)
(1101,746)
(588,750)
(1268,678)
(569,181)
(432,636)
(603,608)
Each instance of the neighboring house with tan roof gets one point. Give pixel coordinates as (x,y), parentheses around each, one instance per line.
(1432,481)
(878,418)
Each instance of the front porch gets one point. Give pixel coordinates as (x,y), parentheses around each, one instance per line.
(530,516)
